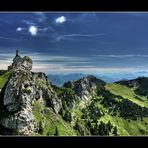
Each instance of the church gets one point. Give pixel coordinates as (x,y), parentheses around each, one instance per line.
(16,61)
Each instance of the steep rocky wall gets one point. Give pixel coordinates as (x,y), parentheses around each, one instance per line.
(22,88)
(85,87)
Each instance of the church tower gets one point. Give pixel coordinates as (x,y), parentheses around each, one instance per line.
(17,59)
(17,52)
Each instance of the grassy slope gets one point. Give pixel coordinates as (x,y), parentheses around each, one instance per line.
(126,93)
(3,79)
(126,127)
(51,121)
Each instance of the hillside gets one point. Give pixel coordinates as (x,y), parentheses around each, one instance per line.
(4,75)
(140,85)
(31,105)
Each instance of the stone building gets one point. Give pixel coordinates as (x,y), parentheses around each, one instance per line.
(25,62)
(16,61)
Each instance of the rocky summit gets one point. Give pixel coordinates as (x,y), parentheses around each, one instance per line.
(22,88)
(31,105)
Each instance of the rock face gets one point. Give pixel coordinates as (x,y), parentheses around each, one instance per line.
(22,88)
(85,87)
(18,96)
(46,93)
(27,62)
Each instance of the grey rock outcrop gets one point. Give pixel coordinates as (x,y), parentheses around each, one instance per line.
(22,88)
(85,87)
(18,96)
(46,93)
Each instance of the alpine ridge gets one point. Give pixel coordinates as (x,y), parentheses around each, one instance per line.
(31,105)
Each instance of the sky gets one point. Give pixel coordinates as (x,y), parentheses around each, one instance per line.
(83,42)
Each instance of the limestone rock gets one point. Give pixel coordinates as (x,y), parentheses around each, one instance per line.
(85,86)
(22,88)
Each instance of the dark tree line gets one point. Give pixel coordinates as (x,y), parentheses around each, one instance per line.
(103,129)
(126,108)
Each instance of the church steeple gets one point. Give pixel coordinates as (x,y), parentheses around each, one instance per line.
(17,58)
(16,61)
(17,52)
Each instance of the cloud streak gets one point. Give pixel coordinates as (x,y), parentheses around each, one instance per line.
(41,16)
(8,38)
(41,58)
(28,22)
(62,68)
(67,64)
(74,37)
(85,18)
(122,56)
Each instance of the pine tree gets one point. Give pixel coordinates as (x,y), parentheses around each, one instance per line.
(56,131)
(62,112)
(115,131)
(77,124)
(40,127)
(65,107)
(100,129)
(109,125)
(67,116)
(48,134)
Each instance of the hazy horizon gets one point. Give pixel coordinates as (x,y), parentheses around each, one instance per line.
(94,43)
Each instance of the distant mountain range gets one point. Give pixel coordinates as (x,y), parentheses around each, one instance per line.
(60,79)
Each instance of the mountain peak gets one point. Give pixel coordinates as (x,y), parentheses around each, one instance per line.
(18,61)
(139,84)
(21,90)
(85,85)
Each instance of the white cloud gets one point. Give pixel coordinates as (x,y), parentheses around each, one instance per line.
(19,29)
(60,20)
(33,30)
(28,22)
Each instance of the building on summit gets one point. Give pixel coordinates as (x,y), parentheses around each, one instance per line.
(23,62)
(16,61)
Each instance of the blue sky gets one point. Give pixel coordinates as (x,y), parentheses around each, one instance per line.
(90,42)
